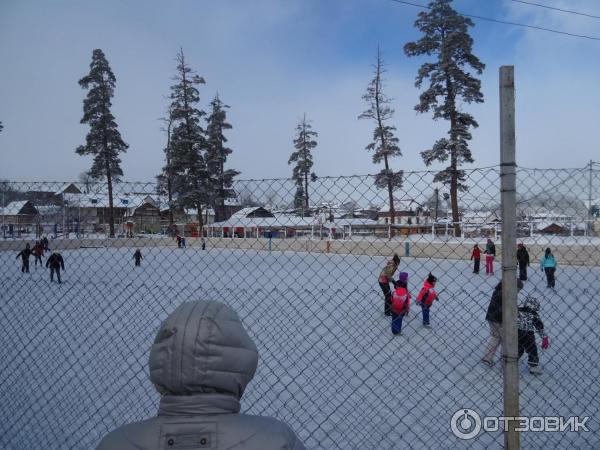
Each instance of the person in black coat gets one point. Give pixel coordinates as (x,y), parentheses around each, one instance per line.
(55,262)
(523,260)
(138,257)
(25,254)
(494,319)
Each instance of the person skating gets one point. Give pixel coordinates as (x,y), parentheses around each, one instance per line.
(494,319)
(476,258)
(385,278)
(138,257)
(45,244)
(530,323)
(426,297)
(38,252)
(24,254)
(523,260)
(55,262)
(200,363)
(490,254)
(400,303)
(203,244)
(548,265)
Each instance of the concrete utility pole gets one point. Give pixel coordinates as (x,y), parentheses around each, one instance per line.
(509,264)
(588,225)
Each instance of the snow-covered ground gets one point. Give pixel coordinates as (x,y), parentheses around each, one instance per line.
(74,355)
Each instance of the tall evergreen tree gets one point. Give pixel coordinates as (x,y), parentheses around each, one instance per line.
(220,179)
(304,142)
(164,179)
(189,176)
(384,145)
(446,37)
(103,141)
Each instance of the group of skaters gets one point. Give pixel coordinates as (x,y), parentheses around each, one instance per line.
(397,303)
(54,262)
(397,300)
(547,262)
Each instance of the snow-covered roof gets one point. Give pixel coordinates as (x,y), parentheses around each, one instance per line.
(480,217)
(407,204)
(14,208)
(100,200)
(281,221)
(267,222)
(245,212)
(544,225)
(353,222)
(547,216)
(67,186)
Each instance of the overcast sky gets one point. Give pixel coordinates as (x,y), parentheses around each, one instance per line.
(274,60)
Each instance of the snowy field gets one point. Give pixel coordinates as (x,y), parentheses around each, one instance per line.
(74,355)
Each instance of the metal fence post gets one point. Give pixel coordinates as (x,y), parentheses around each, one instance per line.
(509,268)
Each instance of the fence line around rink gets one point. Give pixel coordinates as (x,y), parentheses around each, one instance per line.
(303,276)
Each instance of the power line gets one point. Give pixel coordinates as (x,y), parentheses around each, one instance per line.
(557,9)
(506,22)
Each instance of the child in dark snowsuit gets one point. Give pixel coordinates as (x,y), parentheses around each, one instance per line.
(523,260)
(400,303)
(55,262)
(385,278)
(25,254)
(530,323)
(476,258)
(138,257)
(426,297)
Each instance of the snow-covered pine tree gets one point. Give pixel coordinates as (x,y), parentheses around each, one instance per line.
(164,179)
(385,144)
(304,142)
(188,172)
(220,179)
(103,141)
(446,37)
(299,198)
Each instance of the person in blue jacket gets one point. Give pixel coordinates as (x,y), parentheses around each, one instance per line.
(548,265)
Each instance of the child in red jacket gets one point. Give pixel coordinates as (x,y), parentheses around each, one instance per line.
(426,298)
(400,303)
(476,258)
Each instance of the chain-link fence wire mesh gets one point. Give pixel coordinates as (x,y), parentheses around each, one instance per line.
(305,283)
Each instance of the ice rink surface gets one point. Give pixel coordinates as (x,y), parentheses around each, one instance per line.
(74,355)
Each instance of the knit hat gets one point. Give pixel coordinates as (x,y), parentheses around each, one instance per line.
(403,276)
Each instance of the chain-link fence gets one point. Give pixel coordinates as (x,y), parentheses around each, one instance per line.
(304,280)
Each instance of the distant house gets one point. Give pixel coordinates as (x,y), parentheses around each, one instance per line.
(406,212)
(480,223)
(18,216)
(551,228)
(143,214)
